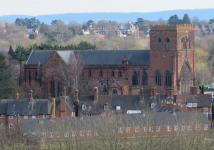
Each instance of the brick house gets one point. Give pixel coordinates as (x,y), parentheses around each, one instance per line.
(128,125)
(13,109)
(170,63)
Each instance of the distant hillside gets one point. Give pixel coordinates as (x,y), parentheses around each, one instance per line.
(119,17)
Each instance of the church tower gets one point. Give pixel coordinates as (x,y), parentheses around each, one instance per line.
(172,58)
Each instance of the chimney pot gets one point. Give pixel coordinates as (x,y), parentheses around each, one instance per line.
(17,95)
(193,90)
(95,94)
(31,95)
(64,91)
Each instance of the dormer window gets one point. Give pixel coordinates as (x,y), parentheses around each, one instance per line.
(106,107)
(83,107)
(117,107)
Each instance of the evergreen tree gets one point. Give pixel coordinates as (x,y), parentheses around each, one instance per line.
(174,20)
(5,88)
(186,19)
(11,52)
(141,25)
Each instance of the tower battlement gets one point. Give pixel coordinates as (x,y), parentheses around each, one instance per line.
(172,27)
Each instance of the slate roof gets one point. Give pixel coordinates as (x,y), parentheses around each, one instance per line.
(103,122)
(126,102)
(95,57)
(203,100)
(41,56)
(24,107)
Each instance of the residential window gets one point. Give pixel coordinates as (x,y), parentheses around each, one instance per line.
(120,74)
(175,128)
(198,127)
(10,117)
(114,91)
(1,115)
(189,128)
(33,117)
(25,117)
(81,133)
(127,130)
(117,107)
(66,134)
(41,122)
(44,116)
(182,128)
(106,107)
(157,129)
(205,127)
(101,74)
(11,125)
(83,107)
(144,129)
(168,128)
(89,107)
(89,73)
(51,134)
(120,130)
(136,130)
(73,133)
(113,131)
(88,133)
(96,133)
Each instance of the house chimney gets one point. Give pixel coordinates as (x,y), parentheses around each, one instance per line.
(183,108)
(169,92)
(31,95)
(141,98)
(143,114)
(17,95)
(163,103)
(193,90)
(76,94)
(54,107)
(81,116)
(153,92)
(64,91)
(95,94)
(169,104)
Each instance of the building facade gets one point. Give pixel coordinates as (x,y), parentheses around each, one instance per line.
(170,63)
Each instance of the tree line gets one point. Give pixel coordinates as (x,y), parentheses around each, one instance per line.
(21,53)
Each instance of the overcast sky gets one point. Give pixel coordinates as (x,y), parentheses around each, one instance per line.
(44,7)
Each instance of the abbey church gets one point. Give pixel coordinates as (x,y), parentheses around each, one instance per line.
(169,64)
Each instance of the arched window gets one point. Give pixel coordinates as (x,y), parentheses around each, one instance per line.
(120,74)
(112,74)
(52,87)
(159,44)
(89,74)
(104,88)
(187,44)
(82,74)
(158,78)
(186,79)
(145,78)
(167,43)
(182,43)
(134,78)
(101,74)
(59,88)
(168,79)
